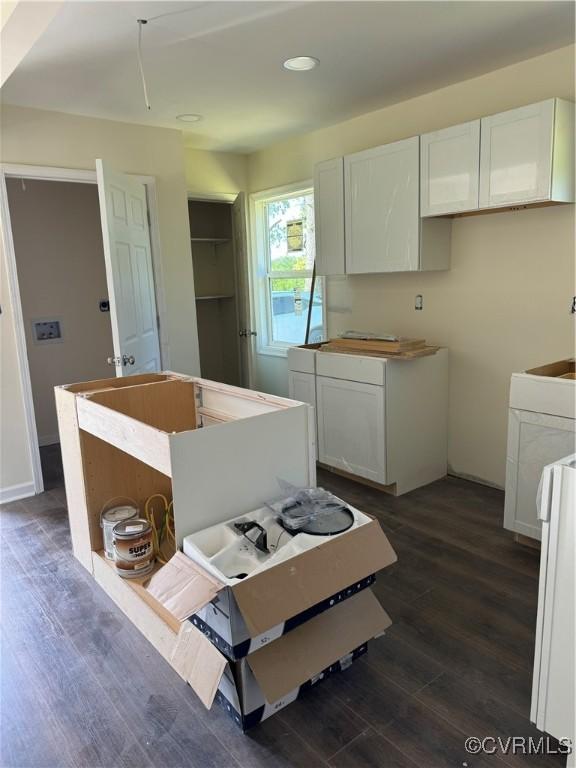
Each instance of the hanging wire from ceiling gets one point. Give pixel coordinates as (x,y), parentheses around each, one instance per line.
(141,23)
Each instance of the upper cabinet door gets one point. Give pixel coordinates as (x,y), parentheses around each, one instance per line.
(382,208)
(449,168)
(516,155)
(329,216)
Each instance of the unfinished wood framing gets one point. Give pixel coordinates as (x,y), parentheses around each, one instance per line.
(184,437)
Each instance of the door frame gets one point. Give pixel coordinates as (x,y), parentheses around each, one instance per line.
(80,176)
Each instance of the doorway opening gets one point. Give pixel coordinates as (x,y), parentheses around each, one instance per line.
(217,289)
(45,326)
(59,254)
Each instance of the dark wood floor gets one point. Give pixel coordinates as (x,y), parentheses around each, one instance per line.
(81,686)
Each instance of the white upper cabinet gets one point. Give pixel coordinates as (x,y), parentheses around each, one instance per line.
(449,169)
(527,155)
(386,209)
(329,216)
(381,188)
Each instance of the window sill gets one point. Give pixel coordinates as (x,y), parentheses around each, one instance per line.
(274,351)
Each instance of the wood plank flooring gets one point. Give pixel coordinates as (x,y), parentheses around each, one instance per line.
(81,686)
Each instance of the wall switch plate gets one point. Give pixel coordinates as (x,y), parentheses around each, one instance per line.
(419,302)
(46,331)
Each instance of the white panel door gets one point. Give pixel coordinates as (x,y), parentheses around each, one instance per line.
(329,216)
(449,169)
(534,440)
(516,155)
(382,208)
(351,427)
(302,387)
(129,272)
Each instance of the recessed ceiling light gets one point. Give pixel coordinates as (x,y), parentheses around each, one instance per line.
(189,118)
(301,63)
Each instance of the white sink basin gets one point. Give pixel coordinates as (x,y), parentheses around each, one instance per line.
(231,556)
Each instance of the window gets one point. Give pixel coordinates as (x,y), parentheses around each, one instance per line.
(284,255)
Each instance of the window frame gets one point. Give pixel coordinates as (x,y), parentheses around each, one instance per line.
(265,345)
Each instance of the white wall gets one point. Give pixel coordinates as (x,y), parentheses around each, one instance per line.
(61,273)
(38,137)
(502,307)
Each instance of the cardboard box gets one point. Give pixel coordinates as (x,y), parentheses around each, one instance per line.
(254,612)
(222,622)
(269,679)
(257,711)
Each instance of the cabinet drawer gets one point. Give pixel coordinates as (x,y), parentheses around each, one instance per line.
(541,394)
(369,370)
(302,360)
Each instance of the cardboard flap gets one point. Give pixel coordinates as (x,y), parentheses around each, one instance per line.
(286,589)
(198,662)
(283,665)
(183,587)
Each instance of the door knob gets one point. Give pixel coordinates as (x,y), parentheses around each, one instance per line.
(124,360)
(246,332)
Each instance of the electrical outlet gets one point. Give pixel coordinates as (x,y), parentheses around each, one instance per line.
(419,302)
(46,331)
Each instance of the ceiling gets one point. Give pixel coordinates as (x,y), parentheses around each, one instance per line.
(223,60)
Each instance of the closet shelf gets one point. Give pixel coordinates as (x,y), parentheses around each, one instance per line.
(214,240)
(215,297)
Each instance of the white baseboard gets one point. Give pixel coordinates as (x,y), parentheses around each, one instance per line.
(48,440)
(15,492)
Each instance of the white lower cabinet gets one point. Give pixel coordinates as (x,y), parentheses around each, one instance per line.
(381,419)
(302,387)
(351,427)
(541,430)
(534,440)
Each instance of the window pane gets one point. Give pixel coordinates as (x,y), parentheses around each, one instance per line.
(289,299)
(290,232)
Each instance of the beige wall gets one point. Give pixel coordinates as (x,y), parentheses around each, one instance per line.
(38,137)
(215,173)
(61,273)
(502,307)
